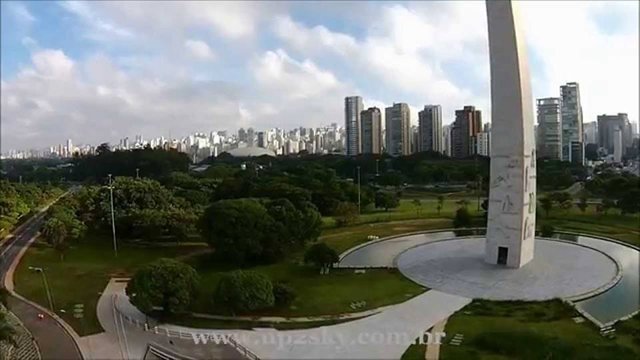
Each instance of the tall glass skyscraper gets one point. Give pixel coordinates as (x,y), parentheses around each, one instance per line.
(352,108)
(572,136)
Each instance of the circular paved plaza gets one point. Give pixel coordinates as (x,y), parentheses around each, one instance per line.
(558,270)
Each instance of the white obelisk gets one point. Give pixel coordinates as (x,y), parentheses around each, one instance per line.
(512,195)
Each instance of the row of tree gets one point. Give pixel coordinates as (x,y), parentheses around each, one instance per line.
(18,200)
(173,285)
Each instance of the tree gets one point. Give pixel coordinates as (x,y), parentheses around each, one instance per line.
(283,294)
(55,233)
(7,331)
(418,205)
(547,230)
(321,256)
(583,204)
(237,229)
(462,218)
(386,200)
(244,291)
(440,203)
(463,203)
(346,213)
(547,204)
(606,205)
(630,204)
(165,282)
(566,205)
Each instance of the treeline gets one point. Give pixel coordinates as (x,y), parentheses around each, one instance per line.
(147,162)
(621,190)
(18,200)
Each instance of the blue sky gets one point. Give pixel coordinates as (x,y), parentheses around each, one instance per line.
(100,71)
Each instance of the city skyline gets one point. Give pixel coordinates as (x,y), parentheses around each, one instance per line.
(118,80)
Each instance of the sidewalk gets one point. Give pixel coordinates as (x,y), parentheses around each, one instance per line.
(354,339)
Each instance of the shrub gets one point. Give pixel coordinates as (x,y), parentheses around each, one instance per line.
(547,230)
(165,282)
(283,295)
(244,291)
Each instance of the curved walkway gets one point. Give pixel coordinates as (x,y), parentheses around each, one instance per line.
(385,335)
(55,338)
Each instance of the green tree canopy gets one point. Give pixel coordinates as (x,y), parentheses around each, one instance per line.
(165,282)
(321,255)
(244,291)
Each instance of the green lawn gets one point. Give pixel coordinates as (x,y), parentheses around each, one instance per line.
(342,239)
(525,330)
(317,294)
(83,274)
(408,211)
(613,225)
(89,265)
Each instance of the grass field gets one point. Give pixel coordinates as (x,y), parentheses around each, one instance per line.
(522,330)
(83,274)
(88,266)
(614,225)
(407,210)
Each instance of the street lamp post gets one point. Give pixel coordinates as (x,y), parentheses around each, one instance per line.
(359,210)
(113,220)
(377,168)
(46,286)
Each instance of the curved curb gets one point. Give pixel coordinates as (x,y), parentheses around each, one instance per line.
(9,285)
(579,297)
(364,244)
(287,320)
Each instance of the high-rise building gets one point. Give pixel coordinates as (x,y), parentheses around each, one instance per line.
(571,112)
(242,135)
(352,109)
(484,143)
(371,121)
(607,125)
(446,139)
(430,129)
(549,142)
(618,150)
(262,139)
(590,132)
(251,137)
(464,132)
(398,129)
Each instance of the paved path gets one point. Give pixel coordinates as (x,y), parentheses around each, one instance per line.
(382,336)
(52,339)
(558,270)
(383,252)
(433,350)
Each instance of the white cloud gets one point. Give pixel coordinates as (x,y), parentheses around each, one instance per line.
(277,72)
(58,98)
(572,47)
(402,56)
(98,28)
(21,12)
(199,49)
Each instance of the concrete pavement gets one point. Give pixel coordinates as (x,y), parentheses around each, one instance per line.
(382,336)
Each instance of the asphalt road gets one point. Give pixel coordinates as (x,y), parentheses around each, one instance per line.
(54,341)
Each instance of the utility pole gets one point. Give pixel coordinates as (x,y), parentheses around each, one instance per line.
(359,210)
(46,286)
(113,219)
